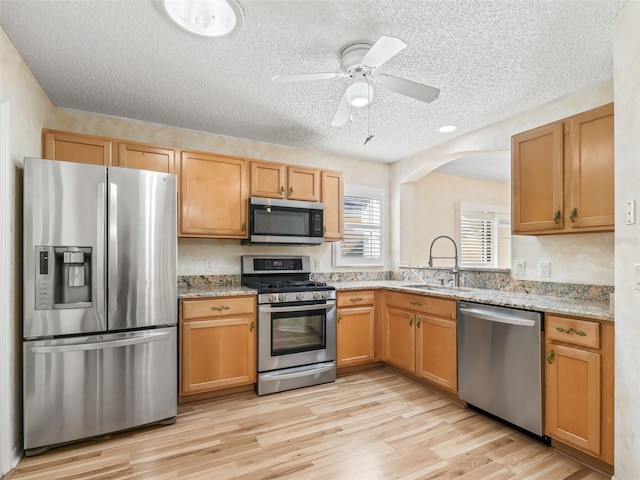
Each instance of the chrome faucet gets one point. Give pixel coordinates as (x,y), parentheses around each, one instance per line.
(455,270)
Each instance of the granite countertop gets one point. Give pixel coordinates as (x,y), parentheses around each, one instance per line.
(526,301)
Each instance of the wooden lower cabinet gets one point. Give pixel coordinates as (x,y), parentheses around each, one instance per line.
(356,327)
(217,344)
(579,384)
(419,336)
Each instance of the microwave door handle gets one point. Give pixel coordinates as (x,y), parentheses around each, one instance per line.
(298,308)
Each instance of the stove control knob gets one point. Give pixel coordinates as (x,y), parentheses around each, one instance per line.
(273,298)
(325,295)
(316,295)
(300,296)
(282,297)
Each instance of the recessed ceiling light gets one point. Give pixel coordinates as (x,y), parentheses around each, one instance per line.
(447,128)
(209,18)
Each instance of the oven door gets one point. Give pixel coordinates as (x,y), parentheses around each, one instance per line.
(294,334)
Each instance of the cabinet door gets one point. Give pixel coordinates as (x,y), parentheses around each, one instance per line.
(436,351)
(355,335)
(573,397)
(398,344)
(332,185)
(304,184)
(213,196)
(591,187)
(268,180)
(537,179)
(217,353)
(75,147)
(147,157)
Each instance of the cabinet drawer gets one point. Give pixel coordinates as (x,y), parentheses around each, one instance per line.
(353,298)
(435,306)
(217,307)
(573,331)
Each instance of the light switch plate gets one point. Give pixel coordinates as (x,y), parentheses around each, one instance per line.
(519,264)
(545,269)
(631,212)
(636,283)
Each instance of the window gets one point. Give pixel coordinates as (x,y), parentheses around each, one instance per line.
(362,244)
(485,236)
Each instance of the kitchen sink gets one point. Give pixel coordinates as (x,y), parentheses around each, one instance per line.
(437,288)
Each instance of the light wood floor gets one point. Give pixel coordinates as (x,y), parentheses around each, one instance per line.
(369,425)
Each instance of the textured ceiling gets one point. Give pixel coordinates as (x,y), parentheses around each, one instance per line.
(491,59)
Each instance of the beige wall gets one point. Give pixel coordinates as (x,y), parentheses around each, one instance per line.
(576,258)
(627,242)
(226,253)
(429,209)
(28,108)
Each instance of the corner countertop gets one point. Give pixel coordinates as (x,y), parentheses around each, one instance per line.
(526,301)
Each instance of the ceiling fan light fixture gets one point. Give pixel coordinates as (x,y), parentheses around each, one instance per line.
(359,94)
(447,128)
(208,18)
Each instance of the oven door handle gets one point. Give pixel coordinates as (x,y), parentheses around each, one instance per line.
(299,308)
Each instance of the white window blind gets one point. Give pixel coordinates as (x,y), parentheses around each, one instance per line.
(362,244)
(485,236)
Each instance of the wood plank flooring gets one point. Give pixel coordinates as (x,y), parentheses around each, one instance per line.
(369,425)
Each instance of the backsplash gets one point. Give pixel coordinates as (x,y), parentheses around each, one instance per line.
(501,280)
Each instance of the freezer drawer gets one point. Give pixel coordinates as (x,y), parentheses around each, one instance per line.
(82,387)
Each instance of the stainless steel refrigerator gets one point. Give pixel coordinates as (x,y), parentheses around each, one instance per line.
(100,300)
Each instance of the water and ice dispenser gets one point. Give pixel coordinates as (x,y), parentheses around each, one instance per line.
(63,277)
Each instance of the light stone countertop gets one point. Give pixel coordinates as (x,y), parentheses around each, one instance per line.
(526,301)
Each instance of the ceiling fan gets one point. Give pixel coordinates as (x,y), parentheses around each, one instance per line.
(359,61)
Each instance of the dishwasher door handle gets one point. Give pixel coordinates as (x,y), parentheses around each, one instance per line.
(492,317)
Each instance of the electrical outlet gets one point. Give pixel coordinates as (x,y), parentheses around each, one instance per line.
(545,269)
(631,212)
(519,264)
(209,265)
(318,265)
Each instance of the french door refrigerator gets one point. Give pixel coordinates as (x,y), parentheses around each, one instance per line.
(100,301)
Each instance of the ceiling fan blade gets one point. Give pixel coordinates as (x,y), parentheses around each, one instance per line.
(342,114)
(303,77)
(381,51)
(419,91)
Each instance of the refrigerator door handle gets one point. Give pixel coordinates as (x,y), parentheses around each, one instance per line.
(99,275)
(113,249)
(102,344)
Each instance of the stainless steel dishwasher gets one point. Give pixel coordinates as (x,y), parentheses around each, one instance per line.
(500,363)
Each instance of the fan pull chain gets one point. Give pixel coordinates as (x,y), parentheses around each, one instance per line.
(369,136)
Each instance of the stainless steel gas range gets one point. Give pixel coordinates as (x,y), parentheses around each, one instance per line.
(296,323)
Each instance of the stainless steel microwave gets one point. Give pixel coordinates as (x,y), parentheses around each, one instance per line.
(273,221)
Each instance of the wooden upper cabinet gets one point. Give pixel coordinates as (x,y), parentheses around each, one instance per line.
(592,183)
(277,180)
(537,179)
(213,196)
(332,196)
(147,157)
(76,147)
(304,183)
(268,179)
(562,175)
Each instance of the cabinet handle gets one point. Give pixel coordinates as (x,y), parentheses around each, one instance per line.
(217,309)
(252,326)
(580,333)
(281,190)
(550,355)
(417,304)
(556,217)
(411,321)
(339,316)
(355,299)
(573,214)
(290,190)
(418,322)
(244,227)
(325,230)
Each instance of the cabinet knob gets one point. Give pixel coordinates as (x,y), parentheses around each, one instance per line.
(339,316)
(244,227)
(252,326)
(281,190)
(556,217)
(418,322)
(573,215)
(550,355)
(411,321)
(290,190)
